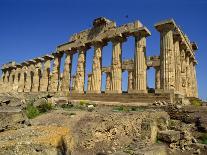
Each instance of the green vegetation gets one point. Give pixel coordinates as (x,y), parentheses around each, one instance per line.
(196,103)
(32,111)
(126,109)
(84,103)
(203,138)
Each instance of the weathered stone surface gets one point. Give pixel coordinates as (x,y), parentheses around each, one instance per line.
(48,140)
(12,118)
(169,136)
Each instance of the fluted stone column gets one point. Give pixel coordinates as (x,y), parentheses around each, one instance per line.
(2,80)
(108,82)
(140,67)
(23,77)
(44,82)
(116,66)
(30,74)
(6,81)
(191,77)
(89,86)
(195,88)
(80,73)
(16,78)
(157,78)
(178,85)
(130,80)
(167,55)
(11,79)
(96,69)
(54,83)
(188,75)
(66,79)
(37,74)
(183,72)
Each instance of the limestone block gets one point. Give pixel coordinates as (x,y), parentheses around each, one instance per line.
(169,136)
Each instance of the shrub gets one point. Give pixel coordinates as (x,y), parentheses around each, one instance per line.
(203,138)
(45,107)
(83,103)
(31,111)
(196,103)
(66,106)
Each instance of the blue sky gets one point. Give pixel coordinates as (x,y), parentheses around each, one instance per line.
(31,28)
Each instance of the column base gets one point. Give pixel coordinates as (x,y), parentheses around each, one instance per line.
(93,92)
(137,91)
(161,91)
(113,92)
(77,92)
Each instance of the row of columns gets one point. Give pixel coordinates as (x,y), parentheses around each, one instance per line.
(177,62)
(176,72)
(35,76)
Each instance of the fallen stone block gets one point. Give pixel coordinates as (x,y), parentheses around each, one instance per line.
(169,136)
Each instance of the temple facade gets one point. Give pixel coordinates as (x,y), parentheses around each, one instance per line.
(175,67)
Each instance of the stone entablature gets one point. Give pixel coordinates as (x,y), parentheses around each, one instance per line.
(174,68)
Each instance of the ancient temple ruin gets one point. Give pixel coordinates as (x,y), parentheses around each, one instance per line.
(175,66)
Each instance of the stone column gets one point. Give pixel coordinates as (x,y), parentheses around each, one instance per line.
(130,80)
(80,73)
(16,78)
(6,80)
(89,86)
(177,51)
(191,66)
(116,65)
(195,88)
(108,82)
(23,77)
(188,75)
(44,82)
(37,74)
(167,56)
(183,72)
(54,83)
(30,75)
(67,72)
(157,78)
(2,79)
(96,68)
(11,79)
(140,67)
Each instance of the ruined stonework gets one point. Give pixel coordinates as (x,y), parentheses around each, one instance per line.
(175,67)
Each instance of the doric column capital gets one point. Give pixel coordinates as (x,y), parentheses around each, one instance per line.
(117,39)
(165,25)
(141,32)
(48,57)
(99,43)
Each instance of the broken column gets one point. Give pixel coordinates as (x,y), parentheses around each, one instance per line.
(66,79)
(130,80)
(167,55)
(96,68)
(54,83)
(157,78)
(89,83)
(108,82)
(44,82)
